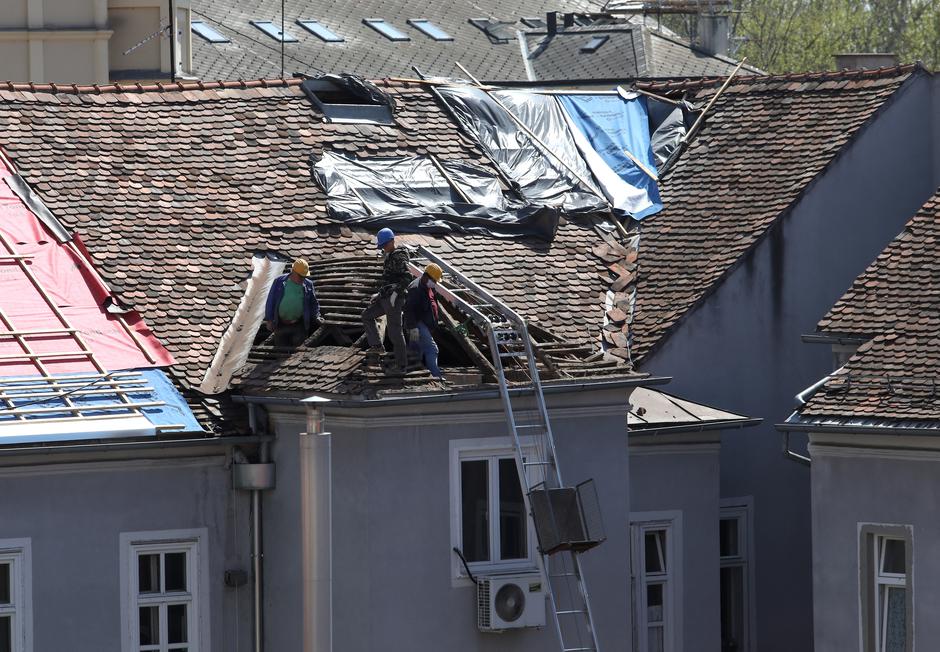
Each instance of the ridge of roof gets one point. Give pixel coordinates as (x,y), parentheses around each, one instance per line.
(666,84)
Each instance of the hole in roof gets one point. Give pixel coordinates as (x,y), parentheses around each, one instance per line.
(321,31)
(534,23)
(496,31)
(386,29)
(347,99)
(430,29)
(207,32)
(274,31)
(594,43)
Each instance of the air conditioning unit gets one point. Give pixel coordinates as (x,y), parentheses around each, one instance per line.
(510,602)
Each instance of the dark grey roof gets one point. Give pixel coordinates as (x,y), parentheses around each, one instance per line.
(632,50)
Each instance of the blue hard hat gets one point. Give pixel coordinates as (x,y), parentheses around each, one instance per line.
(384,237)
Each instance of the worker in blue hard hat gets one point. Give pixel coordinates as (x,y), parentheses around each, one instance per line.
(390,299)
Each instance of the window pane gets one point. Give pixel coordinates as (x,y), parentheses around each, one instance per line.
(654,639)
(512,520)
(894,556)
(728,537)
(732,608)
(148,573)
(321,31)
(474,504)
(274,31)
(149,625)
(207,32)
(5,588)
(6,634)
(175,569)
(654,603)
(655,551)
(176,624)
(431,30)
(895,627)
(385,29)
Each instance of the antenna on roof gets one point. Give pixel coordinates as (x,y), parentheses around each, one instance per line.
(282,39)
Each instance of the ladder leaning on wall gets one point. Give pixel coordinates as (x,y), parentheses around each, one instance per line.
(551,506)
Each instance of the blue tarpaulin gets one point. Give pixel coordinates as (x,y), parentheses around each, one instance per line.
(604,127)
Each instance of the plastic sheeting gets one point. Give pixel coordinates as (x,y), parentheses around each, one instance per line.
(72,285)
(608,126)
(540,177)
(411,194)
(668,124)
(238,338)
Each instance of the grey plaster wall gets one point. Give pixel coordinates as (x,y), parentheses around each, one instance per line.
(390,518)
(906,492)
(74,515)
(741,348)
(675,478)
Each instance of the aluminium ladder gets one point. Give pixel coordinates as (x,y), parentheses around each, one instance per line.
(527,417)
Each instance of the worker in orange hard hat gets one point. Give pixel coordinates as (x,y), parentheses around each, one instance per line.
(292,308)
(421,314)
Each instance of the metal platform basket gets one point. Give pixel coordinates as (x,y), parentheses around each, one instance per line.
(567,518)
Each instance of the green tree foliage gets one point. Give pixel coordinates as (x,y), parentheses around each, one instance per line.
(799,35)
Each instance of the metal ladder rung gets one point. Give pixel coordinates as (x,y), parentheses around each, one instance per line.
(568,612)
(564,575)
(577,649)
(538,464)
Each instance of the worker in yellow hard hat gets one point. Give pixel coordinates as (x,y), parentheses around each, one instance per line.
(292,308)
(421,315)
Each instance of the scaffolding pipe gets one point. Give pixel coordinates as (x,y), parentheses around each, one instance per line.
(257,543)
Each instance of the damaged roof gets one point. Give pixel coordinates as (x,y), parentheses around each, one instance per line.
(483,38)
(722,197)
(893,376)
(174,186)
(652,409)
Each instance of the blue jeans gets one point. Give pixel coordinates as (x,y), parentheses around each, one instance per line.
(428,348)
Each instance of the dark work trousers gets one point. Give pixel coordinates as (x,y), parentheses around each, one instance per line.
(290,335)
(382,306)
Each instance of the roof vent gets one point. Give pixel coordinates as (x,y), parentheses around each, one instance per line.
(349,99)
(861,60)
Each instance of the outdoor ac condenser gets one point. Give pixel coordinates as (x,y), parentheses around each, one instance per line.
(510,602)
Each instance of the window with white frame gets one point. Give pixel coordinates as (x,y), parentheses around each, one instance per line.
(166,605)
(736,575)
(15,596)
(489,524)
(655,583)
(887,594)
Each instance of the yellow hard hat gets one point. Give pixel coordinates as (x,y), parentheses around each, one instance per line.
(434,271)
(301,267)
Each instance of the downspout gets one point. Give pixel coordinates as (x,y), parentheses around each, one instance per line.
(801,399)
(256,477)
(316,518)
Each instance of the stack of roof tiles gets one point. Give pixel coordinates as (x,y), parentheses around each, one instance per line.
(895,302)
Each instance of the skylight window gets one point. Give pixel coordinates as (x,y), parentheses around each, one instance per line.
(496,31)
(534,23)
(274,31)
(385,29)
(207,32)
(430,29)
(594,43)
(321,31)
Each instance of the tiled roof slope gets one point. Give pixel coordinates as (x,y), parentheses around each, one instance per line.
(764,142)
(900,288)
(896,302)
(895,377)
(252,54)
(633,50)
(173,191)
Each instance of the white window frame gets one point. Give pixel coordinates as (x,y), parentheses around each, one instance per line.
(476,449)
(17,553)
(195,543)
(742,509)
(871,579)
(640,524)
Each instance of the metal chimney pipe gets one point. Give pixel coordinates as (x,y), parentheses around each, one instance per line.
(551,20)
